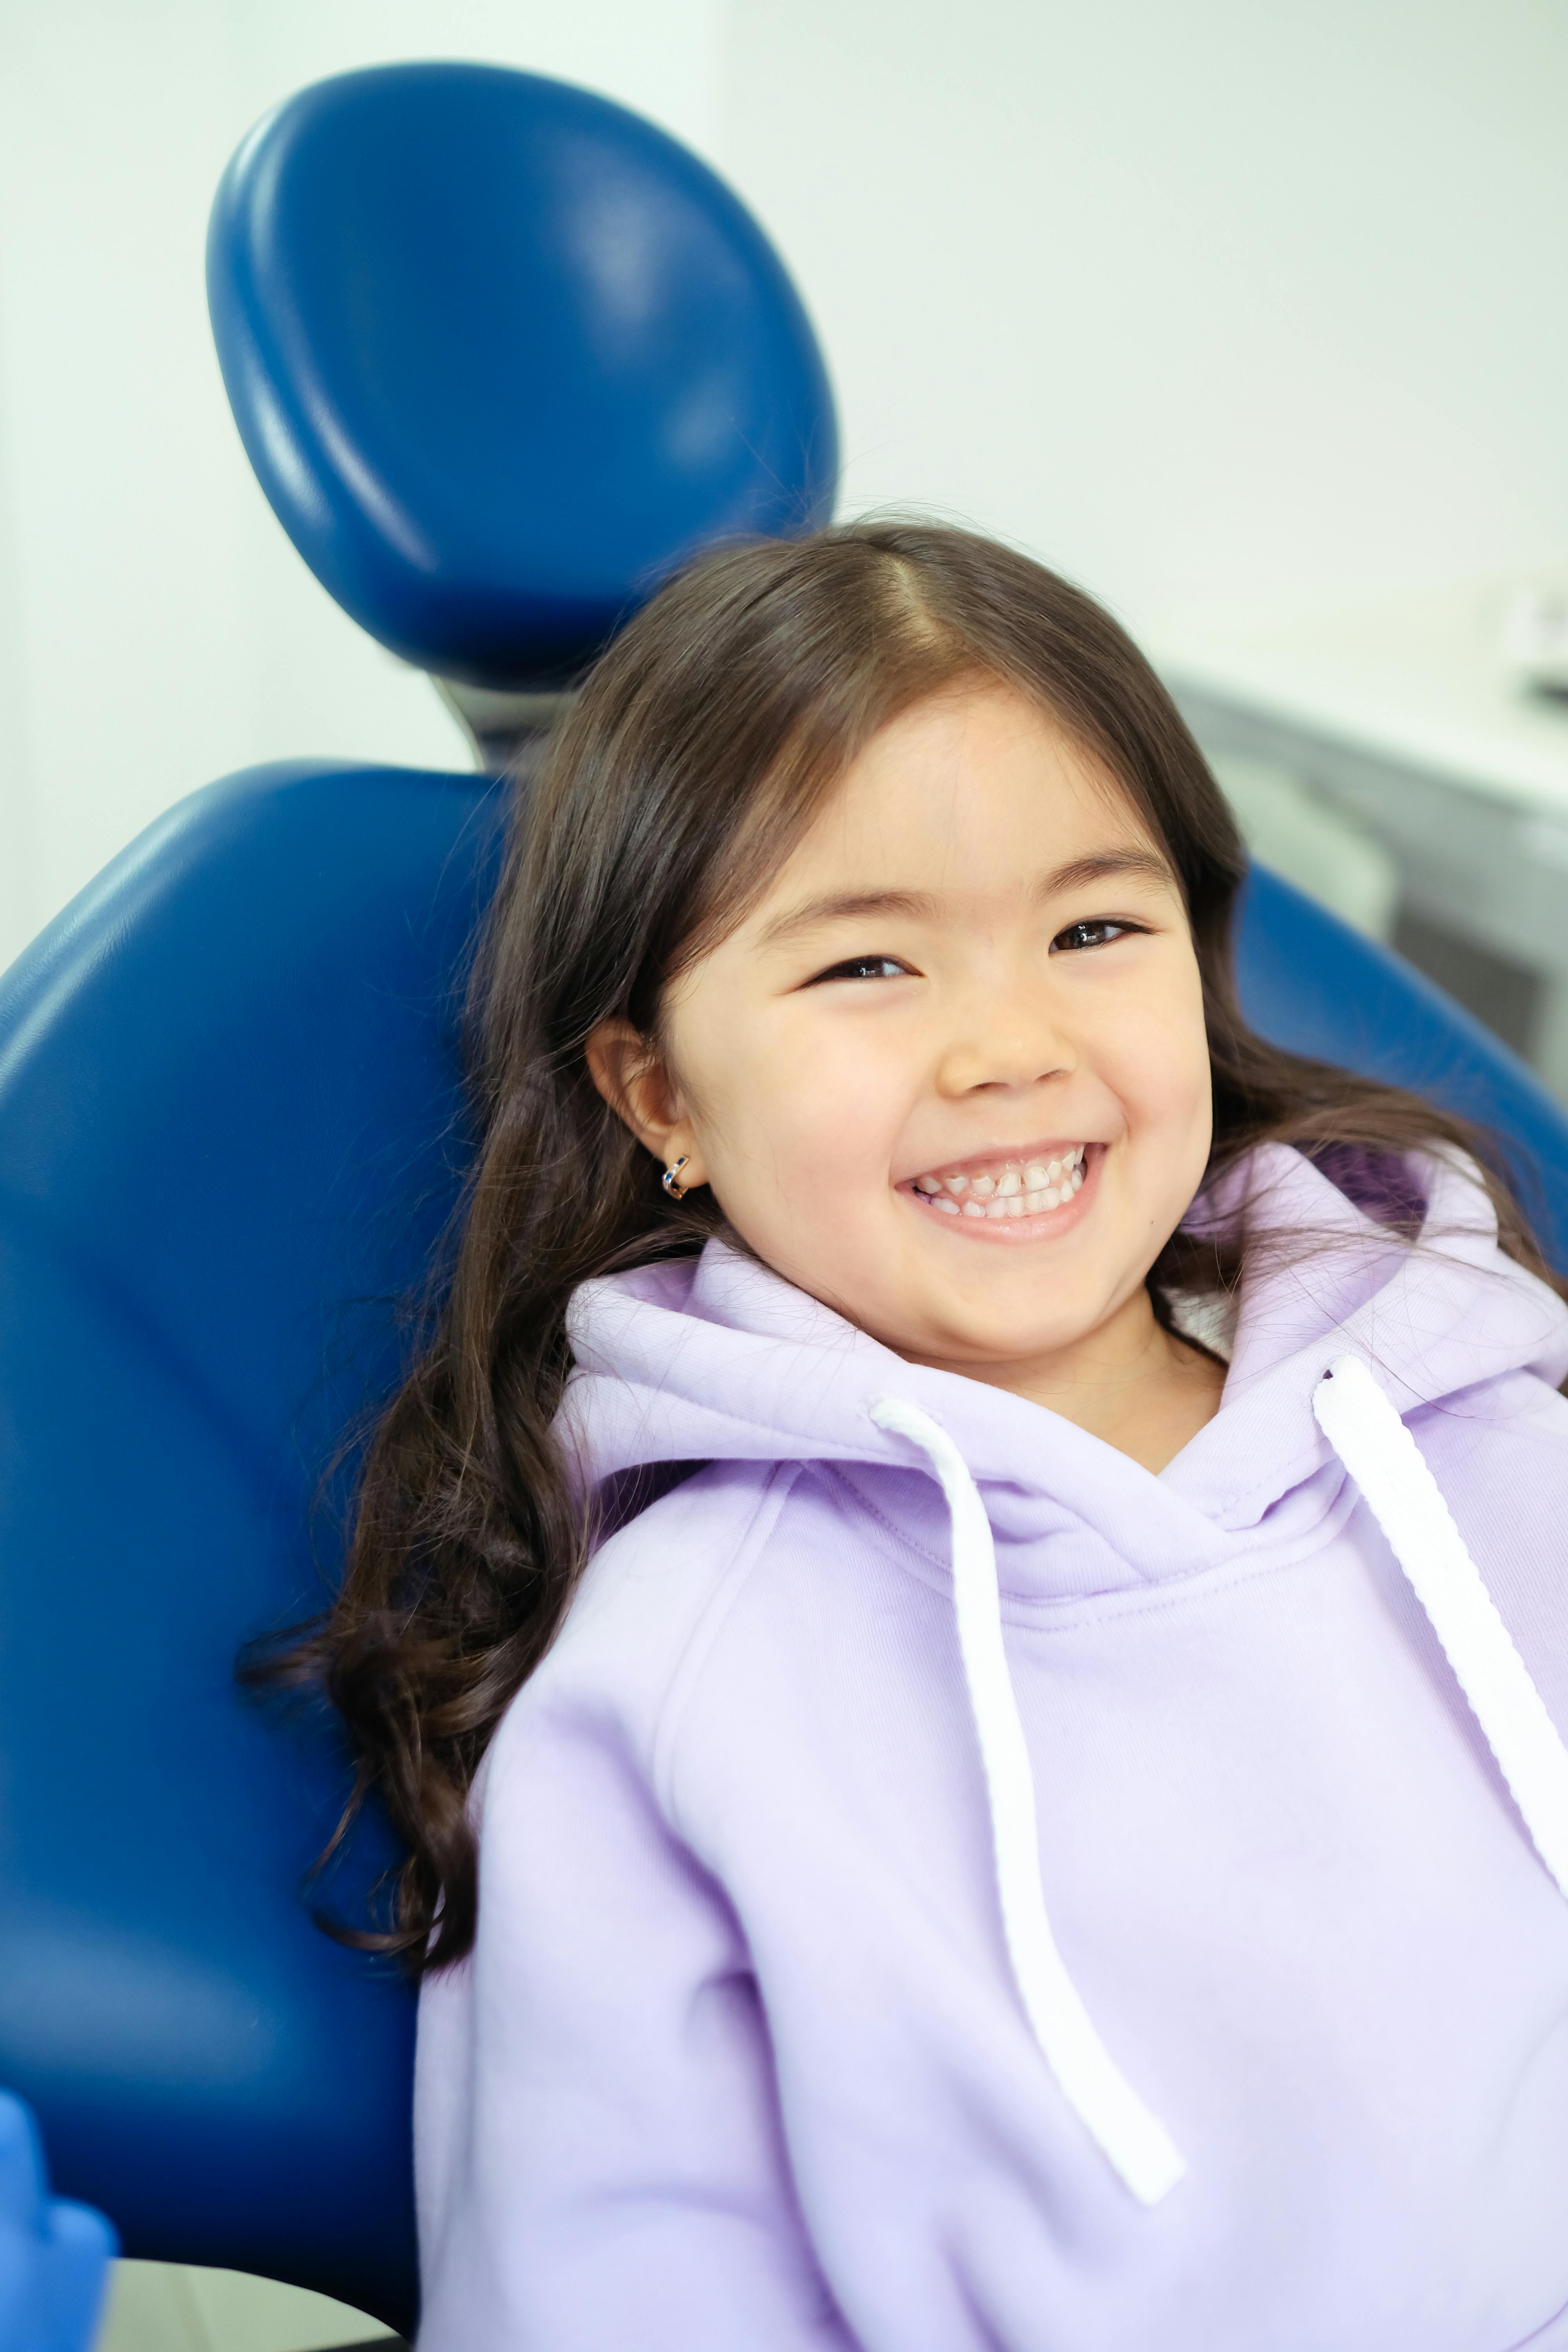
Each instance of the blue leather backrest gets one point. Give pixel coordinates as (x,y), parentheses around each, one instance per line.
(230,1133)
(1311,983)
(501,353)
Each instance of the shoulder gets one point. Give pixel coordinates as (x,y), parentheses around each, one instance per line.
(1499,1451)
(649,1596)
(1515,1423)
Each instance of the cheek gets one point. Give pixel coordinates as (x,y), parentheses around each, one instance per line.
(1156,1057)
(795,1111)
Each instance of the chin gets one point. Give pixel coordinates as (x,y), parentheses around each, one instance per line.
(983,1342)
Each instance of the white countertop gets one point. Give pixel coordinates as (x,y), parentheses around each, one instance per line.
(1418,677)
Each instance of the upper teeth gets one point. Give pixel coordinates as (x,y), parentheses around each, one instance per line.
(1013,1188)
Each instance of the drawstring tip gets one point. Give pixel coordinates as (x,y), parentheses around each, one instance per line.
(1155,2170)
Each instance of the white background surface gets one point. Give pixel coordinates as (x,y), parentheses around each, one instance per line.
(1241,314)
(1417,674)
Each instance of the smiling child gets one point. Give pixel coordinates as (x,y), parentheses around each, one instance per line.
(964,1617)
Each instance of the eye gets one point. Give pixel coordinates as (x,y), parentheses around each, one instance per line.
(864,968)
(1098,933)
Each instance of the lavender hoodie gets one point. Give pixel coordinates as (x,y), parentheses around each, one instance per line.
(948,1890)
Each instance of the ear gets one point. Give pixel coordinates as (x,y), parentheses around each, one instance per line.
(634,1080)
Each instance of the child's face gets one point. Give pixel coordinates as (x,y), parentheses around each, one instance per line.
(970,990)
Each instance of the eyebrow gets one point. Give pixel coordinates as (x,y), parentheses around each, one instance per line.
(1144,865)
(842,906)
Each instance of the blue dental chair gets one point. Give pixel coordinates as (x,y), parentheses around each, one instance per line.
(502,354)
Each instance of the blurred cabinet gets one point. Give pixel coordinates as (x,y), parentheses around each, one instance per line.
(1403,720)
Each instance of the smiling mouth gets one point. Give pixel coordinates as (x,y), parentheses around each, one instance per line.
(1031,1185)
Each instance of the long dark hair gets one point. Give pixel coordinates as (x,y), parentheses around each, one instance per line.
(694,757)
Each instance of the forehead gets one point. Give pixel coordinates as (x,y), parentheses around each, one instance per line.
(971,789)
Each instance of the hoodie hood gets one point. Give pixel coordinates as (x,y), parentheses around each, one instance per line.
(717,1359)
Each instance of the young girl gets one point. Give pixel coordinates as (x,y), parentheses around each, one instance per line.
(966,1792)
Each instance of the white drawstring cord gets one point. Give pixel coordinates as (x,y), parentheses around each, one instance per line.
(1371,1441)
(1135,2142)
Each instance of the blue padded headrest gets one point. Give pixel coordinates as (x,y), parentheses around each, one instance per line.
(502,354)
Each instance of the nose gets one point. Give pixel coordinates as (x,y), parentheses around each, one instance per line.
(1004,1042)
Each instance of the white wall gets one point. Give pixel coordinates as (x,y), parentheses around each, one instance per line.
(156,628)
(1217,306)
(1229,302)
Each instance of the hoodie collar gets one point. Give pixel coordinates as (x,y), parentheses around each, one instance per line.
(1447,1314)
(718,1358)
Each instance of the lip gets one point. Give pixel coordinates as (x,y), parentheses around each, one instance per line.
(1013,1233)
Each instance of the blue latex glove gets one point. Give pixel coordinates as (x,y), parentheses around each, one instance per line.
(54,2254)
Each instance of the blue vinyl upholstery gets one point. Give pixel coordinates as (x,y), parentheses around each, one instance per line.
(501,353)
(231,1132)
(1316,986)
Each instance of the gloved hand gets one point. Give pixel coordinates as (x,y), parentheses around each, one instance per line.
(54,2254)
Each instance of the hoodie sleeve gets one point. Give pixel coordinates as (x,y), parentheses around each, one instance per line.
(598,2151)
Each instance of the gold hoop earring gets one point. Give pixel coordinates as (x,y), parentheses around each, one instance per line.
(670,1179)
